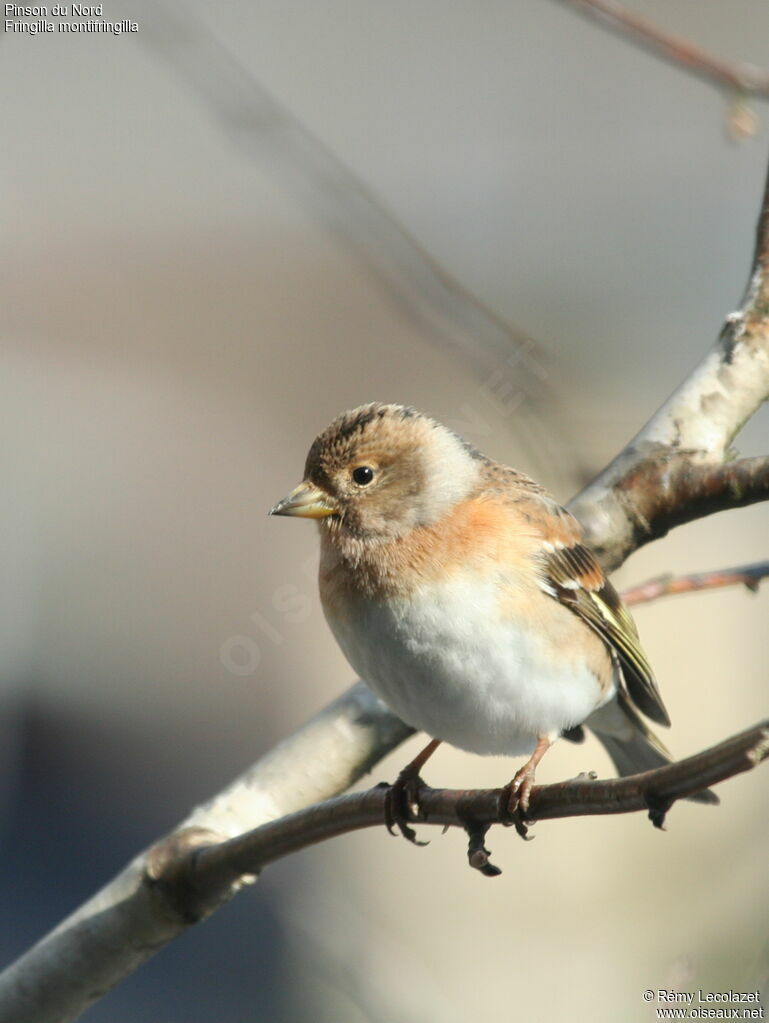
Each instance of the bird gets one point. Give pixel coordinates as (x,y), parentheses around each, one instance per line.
(470,602)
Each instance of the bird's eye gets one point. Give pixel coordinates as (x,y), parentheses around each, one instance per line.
(363,475)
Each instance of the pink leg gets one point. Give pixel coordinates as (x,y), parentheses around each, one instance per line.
(521,785)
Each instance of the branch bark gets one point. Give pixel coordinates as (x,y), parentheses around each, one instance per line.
(655,492)
(218,866)
(668,585)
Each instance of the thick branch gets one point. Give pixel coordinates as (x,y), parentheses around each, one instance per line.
(743,78)
(669,489)
(668,585)
(220,865)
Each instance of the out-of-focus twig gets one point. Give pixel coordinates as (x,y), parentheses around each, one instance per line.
(667,585)
(268,133)
(740,77)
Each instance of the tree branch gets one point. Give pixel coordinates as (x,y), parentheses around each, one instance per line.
(669,488)
(667,585)
(215,867)
(743,78)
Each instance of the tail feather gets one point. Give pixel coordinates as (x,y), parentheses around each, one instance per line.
(632,746)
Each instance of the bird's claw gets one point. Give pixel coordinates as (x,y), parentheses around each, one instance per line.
(402,804)
(513,803)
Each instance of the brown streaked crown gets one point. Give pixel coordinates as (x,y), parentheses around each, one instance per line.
(419,469)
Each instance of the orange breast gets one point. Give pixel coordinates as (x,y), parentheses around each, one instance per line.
(477,534)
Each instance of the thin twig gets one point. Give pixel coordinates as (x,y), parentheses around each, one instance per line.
(741,77)
(667,585)
(213,868)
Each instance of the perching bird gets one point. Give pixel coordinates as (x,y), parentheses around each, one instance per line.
(465,596)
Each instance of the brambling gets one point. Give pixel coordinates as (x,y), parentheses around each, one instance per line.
(465,596)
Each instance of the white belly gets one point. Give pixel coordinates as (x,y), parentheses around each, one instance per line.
(448,663)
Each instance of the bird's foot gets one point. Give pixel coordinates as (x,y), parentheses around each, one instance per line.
(514,798)
(514,803)
(402,798)
(520,788)
(402,804)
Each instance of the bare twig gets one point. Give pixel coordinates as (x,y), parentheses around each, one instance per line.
(742,78)
(667,585)
(217,866)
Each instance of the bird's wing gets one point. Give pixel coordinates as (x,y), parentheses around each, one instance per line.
(570,573)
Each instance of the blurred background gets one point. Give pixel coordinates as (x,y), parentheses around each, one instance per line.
(201,266)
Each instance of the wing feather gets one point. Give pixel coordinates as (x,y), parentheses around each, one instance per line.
(571,574)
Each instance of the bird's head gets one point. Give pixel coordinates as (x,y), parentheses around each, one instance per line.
(379,471)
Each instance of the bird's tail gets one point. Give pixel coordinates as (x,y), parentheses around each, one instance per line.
(631,744)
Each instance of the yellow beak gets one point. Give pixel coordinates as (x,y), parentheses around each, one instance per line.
(307,502)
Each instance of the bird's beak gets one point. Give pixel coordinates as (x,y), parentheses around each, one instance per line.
(307,502)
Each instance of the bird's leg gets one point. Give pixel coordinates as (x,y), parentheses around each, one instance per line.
(402,796)
(515,796)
